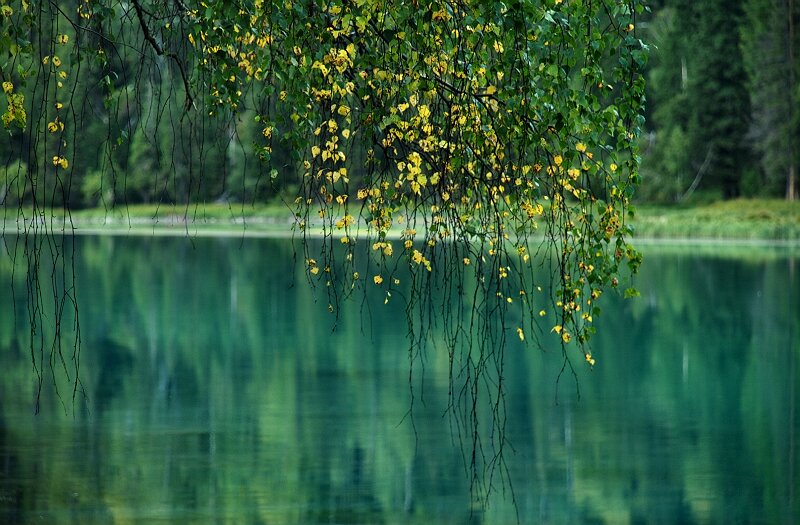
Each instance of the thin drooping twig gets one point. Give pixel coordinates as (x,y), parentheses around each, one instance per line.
(148,36)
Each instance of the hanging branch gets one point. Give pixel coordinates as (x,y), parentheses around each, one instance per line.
(148,36)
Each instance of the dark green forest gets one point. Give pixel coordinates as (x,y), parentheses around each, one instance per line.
(722,117)
(722,100)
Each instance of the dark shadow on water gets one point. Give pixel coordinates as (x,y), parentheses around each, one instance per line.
(114,362)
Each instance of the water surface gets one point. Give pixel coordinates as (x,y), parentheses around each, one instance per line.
(218,392)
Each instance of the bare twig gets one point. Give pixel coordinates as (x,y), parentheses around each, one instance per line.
(148,36)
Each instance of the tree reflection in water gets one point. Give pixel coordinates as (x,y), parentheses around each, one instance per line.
(218,391)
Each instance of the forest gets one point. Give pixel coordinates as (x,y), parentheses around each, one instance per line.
(458,182)
(723,100)
(721,115)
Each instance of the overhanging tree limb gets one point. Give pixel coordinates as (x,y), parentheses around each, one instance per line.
(148,36)
(475,149)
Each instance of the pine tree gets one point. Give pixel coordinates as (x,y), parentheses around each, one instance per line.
(769,49)
(719,95)
(701,101)
(668,163)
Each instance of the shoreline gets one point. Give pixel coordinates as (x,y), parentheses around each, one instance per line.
(740,223)
(242,231)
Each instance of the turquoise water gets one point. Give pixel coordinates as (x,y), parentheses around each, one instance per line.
(217,391)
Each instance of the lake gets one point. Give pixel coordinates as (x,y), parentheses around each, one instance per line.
(216,390)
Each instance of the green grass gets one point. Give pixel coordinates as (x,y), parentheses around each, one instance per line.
(740,220)
(193,213)
(202,218)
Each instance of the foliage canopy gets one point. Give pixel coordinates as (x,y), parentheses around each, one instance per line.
(487,147)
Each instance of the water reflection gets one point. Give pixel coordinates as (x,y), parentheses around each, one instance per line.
(218,392)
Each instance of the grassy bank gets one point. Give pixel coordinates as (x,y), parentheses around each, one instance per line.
(261,219)
(744,220)
(751,219)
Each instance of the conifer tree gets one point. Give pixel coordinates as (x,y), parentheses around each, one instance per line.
(769,48)
(700,96)
(719,96)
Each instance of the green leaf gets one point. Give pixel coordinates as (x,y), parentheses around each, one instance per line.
(631,293)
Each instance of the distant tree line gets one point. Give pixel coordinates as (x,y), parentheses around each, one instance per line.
(723,100)
(723,117)
(118,118)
